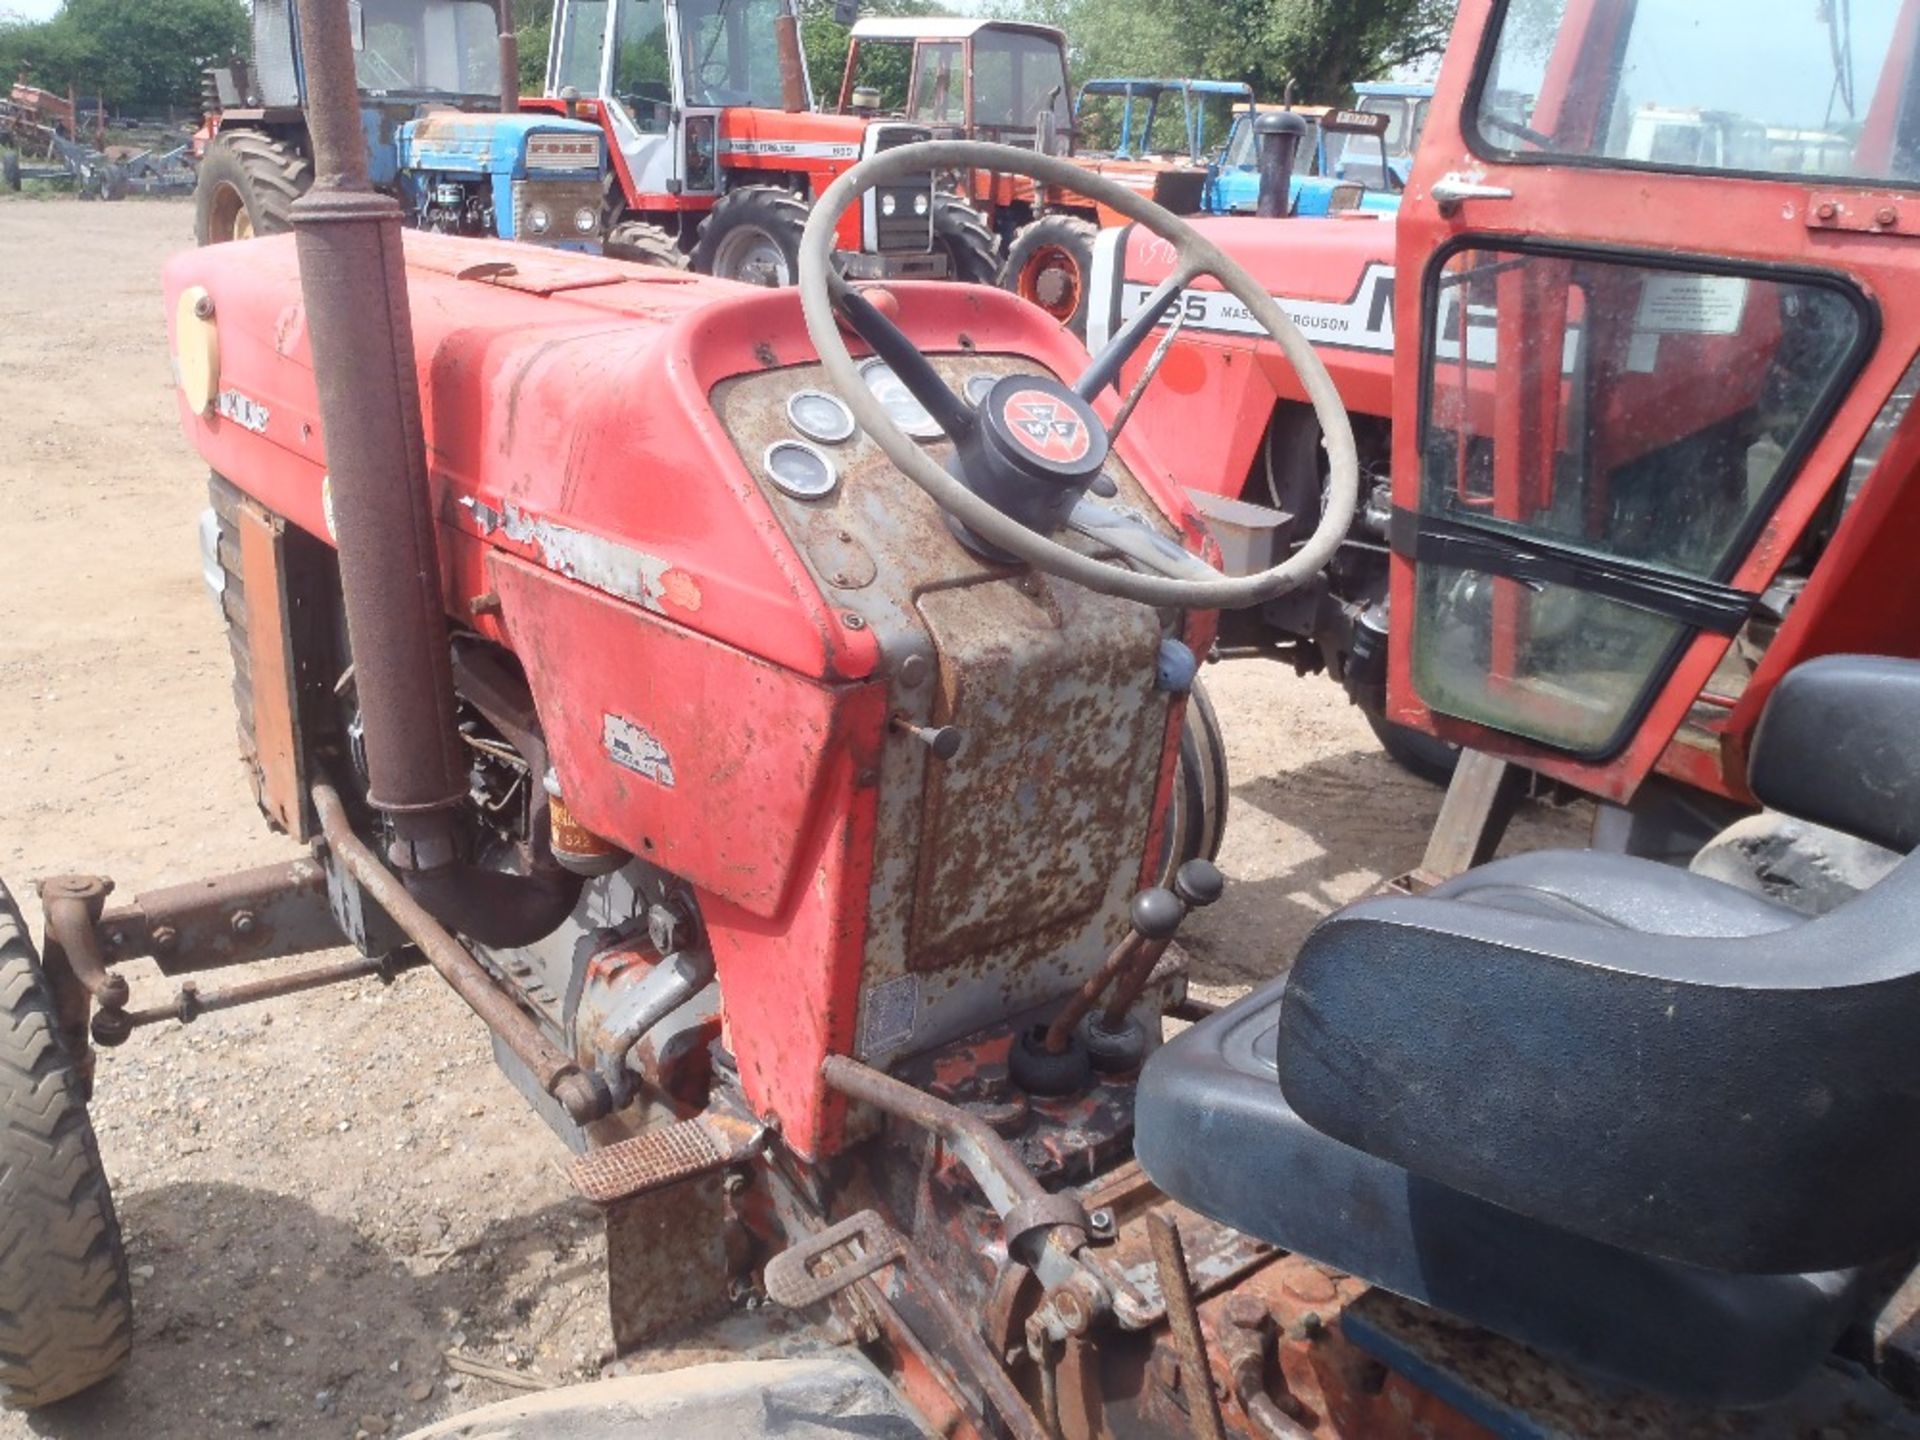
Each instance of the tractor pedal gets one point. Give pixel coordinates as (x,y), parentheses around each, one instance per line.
(794,1277)
(671,1155)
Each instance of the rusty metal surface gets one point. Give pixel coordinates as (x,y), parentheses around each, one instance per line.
(666,1156)
(557,1073)
(881,550)
(1523,1395)
(667,1262)
(808,1272)
(276,754)
(1170,1265)
(191,1002)
(259,914)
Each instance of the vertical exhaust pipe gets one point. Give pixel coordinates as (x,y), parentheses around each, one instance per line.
(509,60)
(360,329)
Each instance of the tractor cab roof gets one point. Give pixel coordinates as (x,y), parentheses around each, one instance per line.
(911,27)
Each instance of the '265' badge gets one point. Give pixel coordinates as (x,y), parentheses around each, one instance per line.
(1048,426)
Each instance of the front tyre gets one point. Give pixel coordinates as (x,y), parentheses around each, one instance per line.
(960,233)
(753,235)
(1049,264)
(66,1311)
(247,184)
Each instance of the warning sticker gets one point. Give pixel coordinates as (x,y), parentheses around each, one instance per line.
(633,747)
(1691,305)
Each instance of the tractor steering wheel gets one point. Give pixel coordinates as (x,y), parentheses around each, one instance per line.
(1027,455)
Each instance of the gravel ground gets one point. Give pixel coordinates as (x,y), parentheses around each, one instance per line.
(323,1196)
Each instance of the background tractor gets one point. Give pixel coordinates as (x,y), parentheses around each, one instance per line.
(438,87)
(718,153)
(1233,179)
(1006,81)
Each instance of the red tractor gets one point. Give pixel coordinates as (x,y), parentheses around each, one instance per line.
(718,153)
(775,746)
(1005,81)
(1609,605)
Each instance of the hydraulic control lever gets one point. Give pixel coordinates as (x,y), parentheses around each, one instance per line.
(1052,1062)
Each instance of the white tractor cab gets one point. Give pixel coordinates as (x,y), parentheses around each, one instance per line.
(718,152)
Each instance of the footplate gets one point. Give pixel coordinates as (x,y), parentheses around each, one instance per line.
(807,1273)
(660,1158)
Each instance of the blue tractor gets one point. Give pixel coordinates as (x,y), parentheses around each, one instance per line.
(439,99)
(1404,105)
(1331,167)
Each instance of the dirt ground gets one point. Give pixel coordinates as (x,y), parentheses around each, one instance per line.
(323,1196)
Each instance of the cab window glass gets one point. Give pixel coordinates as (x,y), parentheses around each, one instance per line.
(1750,86)
(642,71)
(939,85)
(583,41)
(1015,77)
(1600,441)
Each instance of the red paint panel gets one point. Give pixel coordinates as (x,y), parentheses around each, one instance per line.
(693,755)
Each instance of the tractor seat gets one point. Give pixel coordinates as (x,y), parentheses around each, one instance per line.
(1630,1116)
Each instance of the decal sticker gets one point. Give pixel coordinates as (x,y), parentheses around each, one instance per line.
(891,1009)
(326,507)
(1691,304)
(1048,426)
(247,413)
(633,747)
(792,149)
(1364,322)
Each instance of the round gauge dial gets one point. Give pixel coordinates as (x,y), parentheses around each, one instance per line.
(820,416)
(978,386)
(800,470)
(891,391)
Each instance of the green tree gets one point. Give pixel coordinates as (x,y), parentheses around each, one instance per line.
(137,55)
(1323,46)
(533,24)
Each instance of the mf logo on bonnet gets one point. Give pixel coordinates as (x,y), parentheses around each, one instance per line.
(1048,426)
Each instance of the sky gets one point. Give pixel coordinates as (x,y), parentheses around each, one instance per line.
(28,9)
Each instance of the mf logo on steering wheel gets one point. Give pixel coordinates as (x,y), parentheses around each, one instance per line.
(1047,426)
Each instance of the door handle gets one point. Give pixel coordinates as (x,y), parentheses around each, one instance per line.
(1453,189)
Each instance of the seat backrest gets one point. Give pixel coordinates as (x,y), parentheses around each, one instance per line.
(1839,744)
(1744,1102)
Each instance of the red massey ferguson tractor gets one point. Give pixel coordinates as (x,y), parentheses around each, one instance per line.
(1606,505)
(718,152)
(775,745)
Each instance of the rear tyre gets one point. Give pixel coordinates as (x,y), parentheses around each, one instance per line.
(1197,816)
(960,232)
(645,244)
(1049,264)
(66,1312)
(247,185)
(753,235)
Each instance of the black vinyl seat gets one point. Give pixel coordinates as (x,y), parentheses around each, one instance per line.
(1636,1118)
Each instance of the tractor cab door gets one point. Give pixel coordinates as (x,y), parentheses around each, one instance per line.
(937,90)
(1643,366)
(621,52)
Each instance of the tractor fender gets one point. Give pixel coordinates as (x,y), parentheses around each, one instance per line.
(1335,277)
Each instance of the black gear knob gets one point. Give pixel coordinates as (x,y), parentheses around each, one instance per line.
(1156,914)
(1199,882)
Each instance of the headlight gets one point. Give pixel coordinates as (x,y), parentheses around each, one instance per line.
(887,205)
(539,219)
(920,204)
(584,220)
